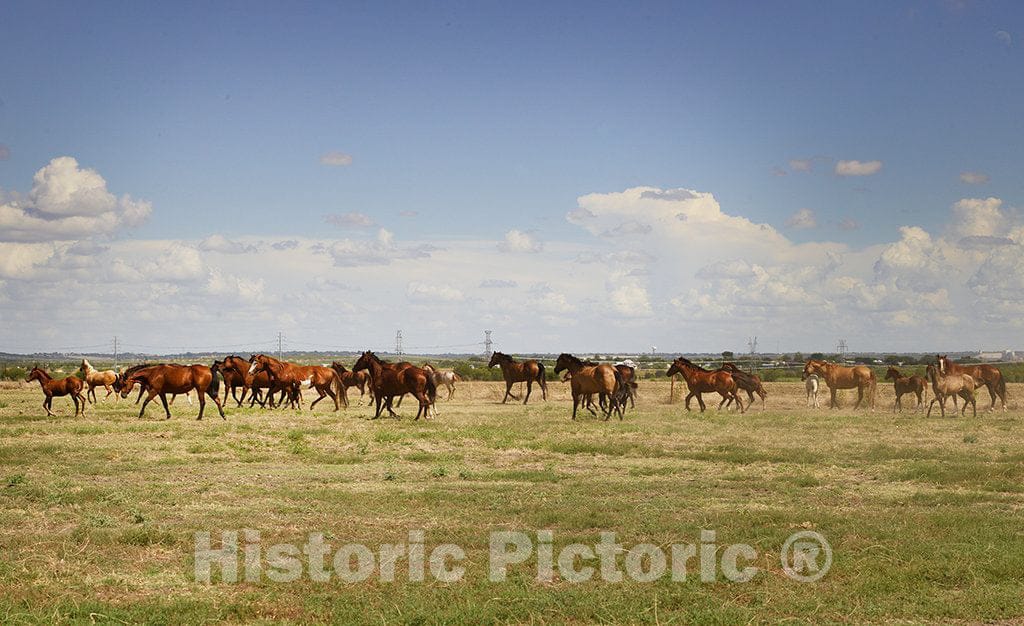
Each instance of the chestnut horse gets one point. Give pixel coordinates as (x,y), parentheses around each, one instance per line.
(701,381)
(160,380)
(745,381)
(602,379)
(291,376)
(906,384)
(946,385)
(859,377)
(349,378)
(983,374)
(70,386)
(514,372)
(235,371)
(121,382)
(95,378)
(389,380)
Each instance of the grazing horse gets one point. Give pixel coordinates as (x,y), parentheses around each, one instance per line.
(448,378)
(587,379)
(70,386)
(859,377)
(349,378)
(389,380)
(811,385)
(983,374)
(701,381)
(291,376)
(235,371)
(946,385)
(95,378)
(160,380)
(514,372)
(745,381)
(906,384)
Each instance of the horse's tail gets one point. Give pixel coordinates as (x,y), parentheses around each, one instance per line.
(873,380)
(542,377)
(431,389)
(214,388)
(456,377)
(339,386)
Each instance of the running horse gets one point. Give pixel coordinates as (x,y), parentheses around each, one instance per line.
(514,372)
(983,374)
(235,371)
(859,377)
(70,386)
(904,385)
(349,378)
(448,378)
(160,380)
(291,376)
(602,379)
(95,378)
(745,381)
(389,380)
(701,381)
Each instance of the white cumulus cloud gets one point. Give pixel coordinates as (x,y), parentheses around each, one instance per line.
(858,168)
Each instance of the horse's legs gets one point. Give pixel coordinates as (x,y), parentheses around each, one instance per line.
(202,404)
(388,402)
(700,401)
(508,391)
(688,396)
(529,388)
(833,403)
(149,397)
(163,398)
(216,400)
(322,396)
(575,405)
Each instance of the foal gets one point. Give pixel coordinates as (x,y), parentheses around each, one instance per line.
(906,384)
(69,386)
(946,385)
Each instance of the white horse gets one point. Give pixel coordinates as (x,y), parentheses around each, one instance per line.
(448,378)
(811,385)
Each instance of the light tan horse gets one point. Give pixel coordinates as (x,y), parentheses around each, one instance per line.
(448,378)
(859,377)
(585,379)
(946,385)
(95,378)
(984,375)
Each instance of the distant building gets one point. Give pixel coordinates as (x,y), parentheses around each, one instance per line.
(1006,355)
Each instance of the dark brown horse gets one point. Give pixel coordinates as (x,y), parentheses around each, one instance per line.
(121,383)
(701,381)
(906,384)
(983,374)
(602,379)
(349,378)
(859,377)
(629,385)
(160,380)
(745,381)
(235,371)
(292,376)
(389,380)
(69,386)
(514,372)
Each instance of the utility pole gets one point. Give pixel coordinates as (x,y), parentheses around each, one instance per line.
(115,352)
(841,349)
(487,343)
(280,345)
(398,342)
(752,345)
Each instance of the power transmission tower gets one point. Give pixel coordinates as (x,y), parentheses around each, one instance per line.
(841,349)
(115,352)
(487,343)
(280,345)
(398,342)
(752,345)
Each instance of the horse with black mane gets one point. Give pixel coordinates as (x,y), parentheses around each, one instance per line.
(292,376)
(514,372)
(701,381)
(602,379)
(389,380)
(904,385)
(745,381)
(160,380)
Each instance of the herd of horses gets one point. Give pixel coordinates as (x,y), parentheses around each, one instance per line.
(275,383)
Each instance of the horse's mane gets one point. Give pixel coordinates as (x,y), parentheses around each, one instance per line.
(574,360)
(692,364)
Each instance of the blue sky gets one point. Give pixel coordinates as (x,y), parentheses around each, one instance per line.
(489,118)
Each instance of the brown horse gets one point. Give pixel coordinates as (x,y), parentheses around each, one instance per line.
(701,381)
(235,371)
(629,385)
(389,380)
(160,380)
(602,379)
(906,384)
(121,383)
(859,377)
(514,372)
(745,381)
(69,386)
(95,378)
(291,376)
(946,385)
(349,378)
(983,374)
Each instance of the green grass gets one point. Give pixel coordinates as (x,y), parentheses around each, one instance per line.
(923,515)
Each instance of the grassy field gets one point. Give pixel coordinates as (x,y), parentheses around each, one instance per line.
(923,515)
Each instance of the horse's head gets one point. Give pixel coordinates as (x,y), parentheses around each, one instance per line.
(929,372)
(730,367)
(127,382)
(428,366)
(812,367)
(364,361)
(84,367)
(218,366)
(497,358)
(257,364)
(566,361)
(943,361)
(338,367)
(892,373)
(36,374)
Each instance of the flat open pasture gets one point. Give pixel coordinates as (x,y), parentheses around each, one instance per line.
(924,516)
